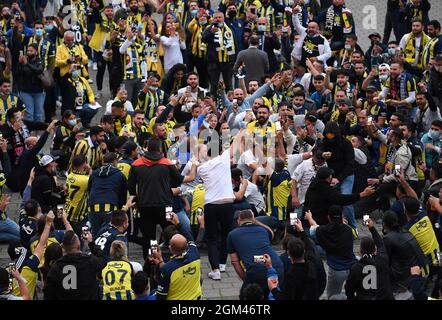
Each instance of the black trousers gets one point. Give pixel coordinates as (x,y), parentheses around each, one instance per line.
(215,70)
(392,23)
(218,220)
(201,67)
(101,69)
(149,218)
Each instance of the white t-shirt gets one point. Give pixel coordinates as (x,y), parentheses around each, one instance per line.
(190,186)
(254,197)
(127,104)
(293,161)
(246,159)
(172,51)
(217,179)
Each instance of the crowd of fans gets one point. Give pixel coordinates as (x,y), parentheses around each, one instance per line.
(304,134)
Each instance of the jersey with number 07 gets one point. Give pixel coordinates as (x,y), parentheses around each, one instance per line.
(76,201)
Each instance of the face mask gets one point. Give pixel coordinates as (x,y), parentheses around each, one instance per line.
(140,27)
(232,14)
(437,68)
(297,107)
(262,28)
(434,134)
(330,136)
(348,47)
(49,27)
(72,123)
(203,22)
(194,12)
(76,74)
(383,77)
(152,88)
(391,51)
(206,124)
(220,24)
(39,32)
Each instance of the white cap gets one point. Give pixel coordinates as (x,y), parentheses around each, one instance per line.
(45,160)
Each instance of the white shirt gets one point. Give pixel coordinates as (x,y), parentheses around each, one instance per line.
(417,42)
(172,51)
(303,175)
(217,179)
(254,197)
(190,186)
(246,159)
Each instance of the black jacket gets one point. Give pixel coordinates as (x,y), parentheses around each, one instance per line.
(342,160)
(45,191)
(87,268)
(28,160)
(404,252)
(151,179)
(300,283)
(320,196)
(354,288)
(28,80)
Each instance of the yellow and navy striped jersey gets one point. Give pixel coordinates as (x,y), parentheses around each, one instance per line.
(139,132)
(272,17)
(422,229)
(181,276)
(199,48)
(394,86)
(133,57)
(54,237)
(119,123)
(117,276)
(149,102)
(348,88)
(177,8)
(76,201)
(30,272)
(124,166)
(46,50)
(261,130)
(197,202)
(152,53)
(278,194)
(133,20)
(93,153)
(64,139)
(10,102)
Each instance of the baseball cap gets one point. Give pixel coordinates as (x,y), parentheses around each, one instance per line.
(385,65)
(46,159)
(371,88)
(335,212)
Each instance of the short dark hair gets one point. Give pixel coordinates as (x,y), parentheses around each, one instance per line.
(138,111)
(107,118)
(399,116)
(118,104)
(236,174)
(437,123)
(193,73)
(31,207)
(67,113)
(296,248)
(299,94)
(118,218)
(342,72)
(435,24)
(110,157)
(417,19)
(154,145)
(367,246)
(253,291)
(411,205)
(93,131)
(390,220)
(140,282)
(319,77)
(79,160)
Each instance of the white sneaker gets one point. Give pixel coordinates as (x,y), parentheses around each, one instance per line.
(90,80)
(99,95)
(94,66)
(214,275)
(58,104)
(222,268)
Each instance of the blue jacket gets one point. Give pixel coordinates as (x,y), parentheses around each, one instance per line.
(107,185)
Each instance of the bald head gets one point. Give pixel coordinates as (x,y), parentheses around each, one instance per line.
(31,142)
(69,38)
(262,20)
(178,244)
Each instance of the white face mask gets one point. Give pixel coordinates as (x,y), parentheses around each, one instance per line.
(383,77)
(348,47)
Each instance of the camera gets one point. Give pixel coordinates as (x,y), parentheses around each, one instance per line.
(259,259)
(293,218)
(169,214)
(365,219)
(199,212)
(153,247)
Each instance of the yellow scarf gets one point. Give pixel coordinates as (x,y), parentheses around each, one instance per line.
(410,49)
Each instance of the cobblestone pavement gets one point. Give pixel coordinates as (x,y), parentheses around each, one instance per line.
(228,287)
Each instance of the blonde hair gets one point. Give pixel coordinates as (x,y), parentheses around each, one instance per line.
(118,250)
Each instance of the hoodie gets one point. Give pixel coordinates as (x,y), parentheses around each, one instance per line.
(342,160)
(44,190)
(107,185)
(151,179)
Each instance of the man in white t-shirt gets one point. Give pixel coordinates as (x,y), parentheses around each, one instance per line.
(218,206)
(247,163)
(302,177)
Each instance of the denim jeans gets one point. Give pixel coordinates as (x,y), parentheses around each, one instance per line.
(34,103)
(335,281)
(9,230)
(97,220)
(269,221)
(86,114)
(347,188)
(184,220)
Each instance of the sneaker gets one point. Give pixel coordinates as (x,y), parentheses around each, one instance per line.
(222,268)
(90,80)
(99,95)
(214,275)
(94,66)
(58,104)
